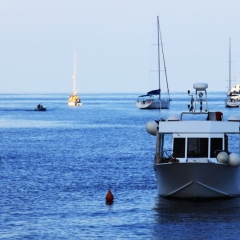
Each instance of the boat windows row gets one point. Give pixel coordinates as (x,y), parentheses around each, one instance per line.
(198,147)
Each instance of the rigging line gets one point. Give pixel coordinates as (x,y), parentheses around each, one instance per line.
(165,69)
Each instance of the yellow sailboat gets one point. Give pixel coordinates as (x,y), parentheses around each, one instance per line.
(74,98)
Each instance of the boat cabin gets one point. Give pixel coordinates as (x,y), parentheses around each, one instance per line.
(198,141)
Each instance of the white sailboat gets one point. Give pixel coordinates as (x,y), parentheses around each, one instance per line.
(233,97)
(74,99)
(153,99)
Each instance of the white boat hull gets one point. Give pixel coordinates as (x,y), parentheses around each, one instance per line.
(232,103)
(153,104)
(197,180)
(74,104)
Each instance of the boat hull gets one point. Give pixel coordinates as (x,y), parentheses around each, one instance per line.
(74,104)
(197,180)
(229,104)
(153,104)
(40,109)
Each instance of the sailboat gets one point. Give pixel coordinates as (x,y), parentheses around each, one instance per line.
(74,99)
(232,99)
(153,100)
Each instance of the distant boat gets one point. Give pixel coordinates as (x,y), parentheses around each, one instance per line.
(233,96)
(153,100)
(40,108)
(74,99)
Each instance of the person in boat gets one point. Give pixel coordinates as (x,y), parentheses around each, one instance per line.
(39,106)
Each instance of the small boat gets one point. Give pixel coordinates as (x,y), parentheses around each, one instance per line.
(40,108)
(197,152)
(74,98)
(233,97)
(153,99)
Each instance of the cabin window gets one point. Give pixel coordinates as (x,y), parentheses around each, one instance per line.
(216,144)
(179,147)
(197,147)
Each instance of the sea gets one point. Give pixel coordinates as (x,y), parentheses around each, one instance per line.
(57,166)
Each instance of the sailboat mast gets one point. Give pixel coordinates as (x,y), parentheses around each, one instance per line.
(158,29)
(74,72)
(229,86)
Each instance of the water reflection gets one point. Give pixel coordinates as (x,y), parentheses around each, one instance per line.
(188,219)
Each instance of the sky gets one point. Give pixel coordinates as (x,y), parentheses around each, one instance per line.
(115,41)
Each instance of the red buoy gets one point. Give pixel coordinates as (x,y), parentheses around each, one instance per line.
(109,197)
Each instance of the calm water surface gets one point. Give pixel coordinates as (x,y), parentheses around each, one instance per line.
(57,166)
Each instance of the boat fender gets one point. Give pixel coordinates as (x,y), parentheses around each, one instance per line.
(234,159)
(222,157)
(152,127)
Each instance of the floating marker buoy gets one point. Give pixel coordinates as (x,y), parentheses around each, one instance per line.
(109,197)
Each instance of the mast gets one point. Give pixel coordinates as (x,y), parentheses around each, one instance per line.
(158,30)
(74,72)
(229,84)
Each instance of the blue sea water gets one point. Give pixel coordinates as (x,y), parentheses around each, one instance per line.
(57,166)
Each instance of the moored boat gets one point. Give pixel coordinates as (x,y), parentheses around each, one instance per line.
(233,97)
(40,108)
(203,160)
(153,99)
(74,98)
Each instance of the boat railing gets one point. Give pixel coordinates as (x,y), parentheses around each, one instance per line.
(191,113)
(211,116)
